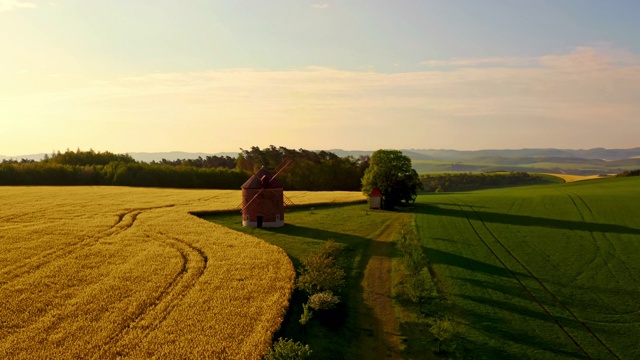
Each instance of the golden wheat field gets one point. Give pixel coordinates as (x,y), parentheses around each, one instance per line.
(109,272)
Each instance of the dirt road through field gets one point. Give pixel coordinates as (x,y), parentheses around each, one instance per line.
(380,337)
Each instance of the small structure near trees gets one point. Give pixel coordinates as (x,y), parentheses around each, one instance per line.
(390,171)
(375,198)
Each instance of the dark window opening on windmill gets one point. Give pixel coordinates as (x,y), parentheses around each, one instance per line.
(259,221)
(247,217)
(277,217)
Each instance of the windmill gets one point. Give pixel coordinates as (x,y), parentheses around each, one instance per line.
(263,199)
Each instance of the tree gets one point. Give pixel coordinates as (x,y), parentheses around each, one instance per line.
(391,172)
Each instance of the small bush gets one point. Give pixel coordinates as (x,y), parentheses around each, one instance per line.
(306,314)
(413,257)
(323,301)
(288,350)
(421,288)
(320,272)
(443,330)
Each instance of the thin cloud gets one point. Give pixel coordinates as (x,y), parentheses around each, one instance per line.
(498,61)
(8,5)
(498,106)
(320,6)
(580,58)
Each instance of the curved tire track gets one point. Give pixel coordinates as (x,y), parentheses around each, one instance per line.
(125,221)
(155,312)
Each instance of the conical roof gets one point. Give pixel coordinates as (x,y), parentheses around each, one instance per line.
(262,179)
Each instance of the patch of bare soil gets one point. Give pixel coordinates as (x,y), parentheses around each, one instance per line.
(380,335)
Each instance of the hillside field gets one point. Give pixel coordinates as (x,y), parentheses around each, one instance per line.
(531,272)
(110,272)
(544,272)
(573,166)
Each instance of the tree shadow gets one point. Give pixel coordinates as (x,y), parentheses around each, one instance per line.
(381,248)
(448,258)
(360,323)
(525,220)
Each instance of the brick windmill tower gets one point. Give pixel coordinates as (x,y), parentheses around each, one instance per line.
(263,199)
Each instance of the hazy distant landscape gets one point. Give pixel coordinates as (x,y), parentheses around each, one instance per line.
(563,161)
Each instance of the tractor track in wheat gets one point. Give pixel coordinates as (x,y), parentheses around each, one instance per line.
(124,221)
(154,312)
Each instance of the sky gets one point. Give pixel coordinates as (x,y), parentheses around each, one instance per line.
(214,76)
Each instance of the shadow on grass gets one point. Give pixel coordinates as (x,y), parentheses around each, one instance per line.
(331,336)
(524,220)
(383,248)
(532,346)
(440,257)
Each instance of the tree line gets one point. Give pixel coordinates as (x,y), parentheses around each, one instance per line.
(470,181)
(208,162)
(628,173)
(309,170)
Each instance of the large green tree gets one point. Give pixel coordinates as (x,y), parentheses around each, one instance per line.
(391,172)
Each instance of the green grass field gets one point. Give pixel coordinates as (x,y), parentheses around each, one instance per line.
(534,272)
(540,272)
(308,228)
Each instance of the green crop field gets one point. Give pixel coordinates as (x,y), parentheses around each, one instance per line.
(541,272)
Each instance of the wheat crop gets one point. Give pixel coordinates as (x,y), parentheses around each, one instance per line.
(108,272)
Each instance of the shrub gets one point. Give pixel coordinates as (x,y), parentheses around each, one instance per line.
(413,257)
(320,272)
(288,350)
(420,288)
(324,300)
(443,330)
(306,314)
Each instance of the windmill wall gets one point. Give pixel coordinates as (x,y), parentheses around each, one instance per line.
(266,210)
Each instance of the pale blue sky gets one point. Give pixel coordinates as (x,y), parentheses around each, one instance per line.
(195,75)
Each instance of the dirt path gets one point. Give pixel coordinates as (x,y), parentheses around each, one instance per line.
(380,336)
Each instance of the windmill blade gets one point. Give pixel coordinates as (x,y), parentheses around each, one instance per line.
(253,198)
(287,201)
(285,162)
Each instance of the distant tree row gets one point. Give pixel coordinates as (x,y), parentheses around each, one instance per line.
(82,158)
(627,173)
(120,173)
(207,163)
(471,181)
(309,170)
